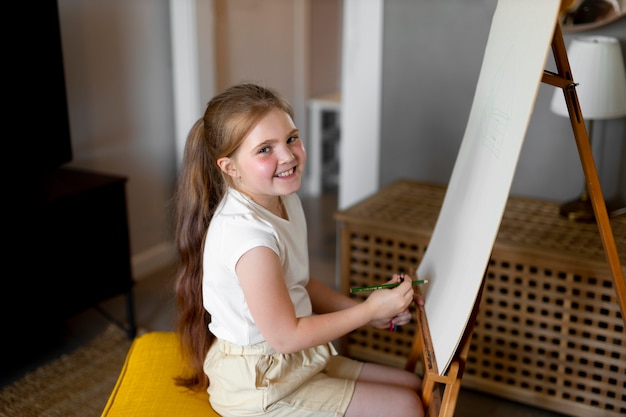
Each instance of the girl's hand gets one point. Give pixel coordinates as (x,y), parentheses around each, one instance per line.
(389,323)
(391,304)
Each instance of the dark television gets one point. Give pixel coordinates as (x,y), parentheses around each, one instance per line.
(37,96)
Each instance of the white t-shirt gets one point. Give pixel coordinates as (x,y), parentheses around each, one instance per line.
(238,225)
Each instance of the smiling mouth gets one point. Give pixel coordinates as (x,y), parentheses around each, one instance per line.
(287,173)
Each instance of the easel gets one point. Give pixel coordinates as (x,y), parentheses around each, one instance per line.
(440,392)
(564,80)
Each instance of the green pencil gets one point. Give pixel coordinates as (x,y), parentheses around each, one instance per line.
(393,285)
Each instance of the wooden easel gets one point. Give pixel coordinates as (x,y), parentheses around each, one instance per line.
(564,80)
(440,392)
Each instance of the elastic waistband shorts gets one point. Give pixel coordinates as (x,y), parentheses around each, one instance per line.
(255,380)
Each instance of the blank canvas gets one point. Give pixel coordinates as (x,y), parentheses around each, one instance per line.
(459,250)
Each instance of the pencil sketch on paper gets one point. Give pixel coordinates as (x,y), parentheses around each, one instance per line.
(496,117)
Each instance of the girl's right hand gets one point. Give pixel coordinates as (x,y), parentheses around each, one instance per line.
(390,302)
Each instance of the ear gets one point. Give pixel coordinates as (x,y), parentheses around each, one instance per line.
(227,166)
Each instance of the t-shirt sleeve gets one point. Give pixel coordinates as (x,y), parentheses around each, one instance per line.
(235,237)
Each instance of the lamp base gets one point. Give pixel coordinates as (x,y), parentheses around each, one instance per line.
(579,210)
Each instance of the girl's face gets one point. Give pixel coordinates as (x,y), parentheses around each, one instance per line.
(270,161)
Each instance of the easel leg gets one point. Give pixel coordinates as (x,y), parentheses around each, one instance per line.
(440,392)
(565,80)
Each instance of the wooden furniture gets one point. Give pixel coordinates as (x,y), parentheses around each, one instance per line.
(146,386)
(70,246)
(549,331)
(440,391)
(89,241)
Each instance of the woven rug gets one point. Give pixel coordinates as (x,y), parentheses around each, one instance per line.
(76,384)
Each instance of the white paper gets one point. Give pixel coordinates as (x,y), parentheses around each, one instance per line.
(459,250)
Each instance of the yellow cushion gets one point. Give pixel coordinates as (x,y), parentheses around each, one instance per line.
(145,386)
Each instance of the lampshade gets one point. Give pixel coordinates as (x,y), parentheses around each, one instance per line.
(598,68)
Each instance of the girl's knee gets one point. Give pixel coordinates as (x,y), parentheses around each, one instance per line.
(409,380)
(415,382)
(371,399)
(412,405)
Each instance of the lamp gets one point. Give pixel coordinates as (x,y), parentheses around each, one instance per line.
(598,70)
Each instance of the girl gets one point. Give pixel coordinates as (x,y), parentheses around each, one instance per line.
(251,321)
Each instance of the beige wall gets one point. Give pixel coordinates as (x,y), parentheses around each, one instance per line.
(258,40)
(121,97)
(293,46)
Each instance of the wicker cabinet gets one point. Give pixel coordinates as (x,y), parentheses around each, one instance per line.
(549,330)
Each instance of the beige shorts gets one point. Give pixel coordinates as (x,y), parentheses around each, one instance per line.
(255,380)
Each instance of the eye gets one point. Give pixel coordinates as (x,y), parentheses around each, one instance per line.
(293,138)
(264,149)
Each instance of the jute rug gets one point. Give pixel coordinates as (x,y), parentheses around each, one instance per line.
(76,384)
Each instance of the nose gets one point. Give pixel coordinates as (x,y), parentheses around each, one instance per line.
(286,154)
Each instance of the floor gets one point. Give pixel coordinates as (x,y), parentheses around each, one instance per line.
(155,310)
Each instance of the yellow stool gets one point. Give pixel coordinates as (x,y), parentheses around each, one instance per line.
(146,387)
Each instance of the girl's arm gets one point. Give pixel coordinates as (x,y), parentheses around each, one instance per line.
(327,300)
(261,277)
